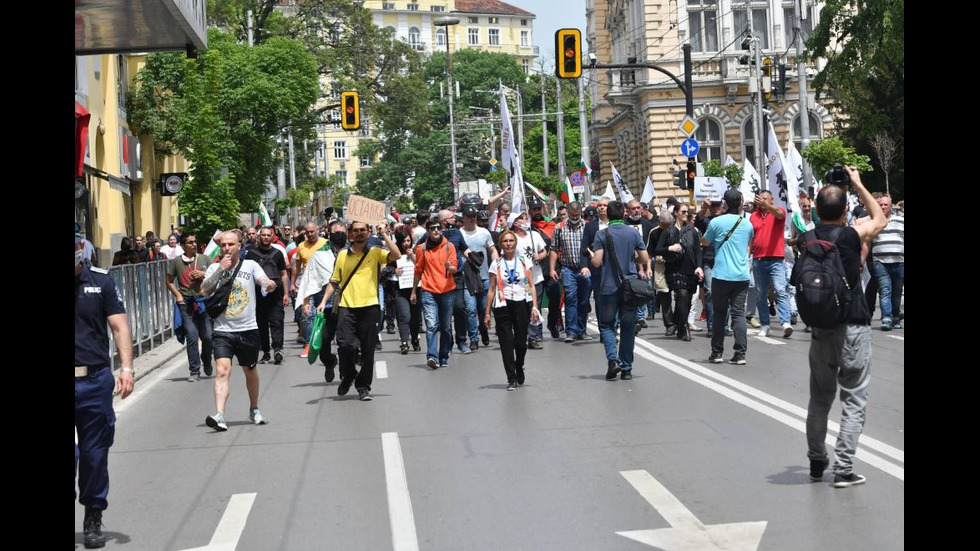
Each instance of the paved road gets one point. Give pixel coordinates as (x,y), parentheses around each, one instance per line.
(541,468)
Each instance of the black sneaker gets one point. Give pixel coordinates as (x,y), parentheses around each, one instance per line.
(277,357)
(404,348)
(511,386)
(485,336)
(848,480)
(344,387)
(474,345)
(737,359)
(391,330)
(364,395)
(93,529)
(266,358)
(612,370)
(328,374)
(794,318)
(554,331)
(377,345)
(433,363)
(671,331)
(715,358)
(416,346)
(817,467)
(520,376)
(208,370)
(626,375)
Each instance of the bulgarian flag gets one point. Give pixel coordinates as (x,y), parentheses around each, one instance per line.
(540,193)
(213,250)
(264,219)
(584,169)
(567,195)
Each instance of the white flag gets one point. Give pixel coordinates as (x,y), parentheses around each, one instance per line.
(509,159)
(751,182)
(648,192)
(624,192)
(782,182)
(609,194)
(729,161)
(795,161)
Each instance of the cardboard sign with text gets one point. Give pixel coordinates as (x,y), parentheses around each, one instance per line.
(711,188)
(369,211)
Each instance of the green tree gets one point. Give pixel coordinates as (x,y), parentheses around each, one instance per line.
(732,173)
(864,78)
(826,153)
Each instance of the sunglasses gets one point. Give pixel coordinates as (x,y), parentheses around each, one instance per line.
(435,228)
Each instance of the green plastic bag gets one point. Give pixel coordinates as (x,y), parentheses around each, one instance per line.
(315,337)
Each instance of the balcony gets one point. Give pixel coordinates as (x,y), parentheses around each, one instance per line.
(120,26)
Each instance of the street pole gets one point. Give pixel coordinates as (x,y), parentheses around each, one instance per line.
(757,117)
(802,85)
(292,174)
(544,129)
(251,37)
(583,127)
(561,134)
(449,22)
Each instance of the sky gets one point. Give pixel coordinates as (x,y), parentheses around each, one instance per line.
(551,16)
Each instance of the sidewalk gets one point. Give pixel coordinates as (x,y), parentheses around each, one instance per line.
(151,360)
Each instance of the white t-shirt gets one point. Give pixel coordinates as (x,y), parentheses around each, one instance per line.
(479,240)
(169,252)
(528,246)
(240,314)
(508,289)
(418,233)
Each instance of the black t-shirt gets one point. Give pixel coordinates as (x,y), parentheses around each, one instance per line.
(271,261)
(849,245)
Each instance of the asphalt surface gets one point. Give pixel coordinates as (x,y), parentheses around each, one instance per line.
(484,468)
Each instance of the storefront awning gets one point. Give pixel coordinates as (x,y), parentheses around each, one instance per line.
(121,26)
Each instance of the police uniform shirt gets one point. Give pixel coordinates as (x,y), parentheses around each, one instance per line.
(96,298)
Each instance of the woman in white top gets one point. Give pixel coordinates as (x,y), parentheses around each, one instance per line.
(514,302)
(409,315)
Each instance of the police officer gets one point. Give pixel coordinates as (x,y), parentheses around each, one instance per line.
(96,303)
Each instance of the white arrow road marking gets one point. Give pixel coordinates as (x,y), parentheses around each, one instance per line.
(231,525)
(769,340)
(381,369)
(687,533)
(896,337)
(400,515)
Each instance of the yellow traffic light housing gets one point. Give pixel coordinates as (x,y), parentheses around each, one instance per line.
(350,111)
(568,53)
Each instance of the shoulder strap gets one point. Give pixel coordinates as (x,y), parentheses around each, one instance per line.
(615,259)
(351,276)
(731,231)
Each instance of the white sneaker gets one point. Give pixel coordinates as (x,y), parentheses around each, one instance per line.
(764,332)
(256,417)
(787,330)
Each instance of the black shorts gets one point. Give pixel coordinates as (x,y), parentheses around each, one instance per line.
(244,345)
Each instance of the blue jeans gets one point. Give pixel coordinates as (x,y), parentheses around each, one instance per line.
(196,327)
(536,332)
(610,311)
(891,279)
(577,289)
(437,310)
(771,270)
(475,306)
(708,307)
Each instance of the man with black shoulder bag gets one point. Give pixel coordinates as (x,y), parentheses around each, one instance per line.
(627,261)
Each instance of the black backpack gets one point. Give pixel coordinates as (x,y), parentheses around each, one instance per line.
(823,294)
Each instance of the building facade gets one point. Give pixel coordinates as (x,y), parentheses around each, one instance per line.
(636,112)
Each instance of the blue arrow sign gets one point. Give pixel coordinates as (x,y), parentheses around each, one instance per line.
(690,148)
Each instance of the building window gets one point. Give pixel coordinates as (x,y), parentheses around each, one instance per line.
(333,33)
(335,119)
(340,149)
(365,162)
(473,20)
(414,37)
(388,6)
(760,21)
(413,7)
(815,131)
(526,64)
(122,80)
(342,176)
(525,38)
(702,19)
(493,20)
(441,37)
(493,37)
(439,8)
(473,37)
(524,22)
(789,21)
(710,137)
(748,140)
(365,130)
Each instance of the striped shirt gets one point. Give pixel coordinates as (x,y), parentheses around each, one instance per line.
(567,242)
(889,245)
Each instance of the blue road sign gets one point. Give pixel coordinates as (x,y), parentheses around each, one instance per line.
(690,148)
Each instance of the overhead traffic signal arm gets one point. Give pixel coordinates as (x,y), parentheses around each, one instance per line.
(350,111)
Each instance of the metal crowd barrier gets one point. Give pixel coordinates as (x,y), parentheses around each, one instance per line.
(149,305)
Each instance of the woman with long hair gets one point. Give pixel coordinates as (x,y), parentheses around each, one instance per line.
(680,245)
(513,301)
(409,315)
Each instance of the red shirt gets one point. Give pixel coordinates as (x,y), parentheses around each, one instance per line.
(768,241)
(546,226)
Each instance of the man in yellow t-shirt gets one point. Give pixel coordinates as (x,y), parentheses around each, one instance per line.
(360,309)
(304,252)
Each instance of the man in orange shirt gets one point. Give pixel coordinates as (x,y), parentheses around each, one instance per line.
(435,266)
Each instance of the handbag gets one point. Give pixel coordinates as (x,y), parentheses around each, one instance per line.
(218,301)
(636,292)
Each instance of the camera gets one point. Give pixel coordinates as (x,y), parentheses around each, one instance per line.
(837,176)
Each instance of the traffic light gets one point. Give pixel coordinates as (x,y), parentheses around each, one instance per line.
(680,179)
(767,78)
(568,53)
(689,174)
(350,116)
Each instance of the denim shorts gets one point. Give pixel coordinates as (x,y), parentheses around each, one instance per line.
(244,345)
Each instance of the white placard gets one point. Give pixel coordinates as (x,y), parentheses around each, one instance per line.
(709,187)
(407,279)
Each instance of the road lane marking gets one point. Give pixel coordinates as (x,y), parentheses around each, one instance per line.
(753,399)
(686,532)
(381,369)
(145,385)
(896,337)
(400,515)
(769,340)
(231,525)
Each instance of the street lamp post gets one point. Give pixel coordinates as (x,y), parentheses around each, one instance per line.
(448,22)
